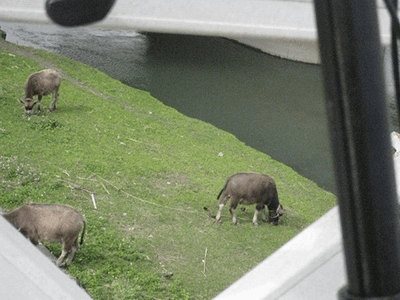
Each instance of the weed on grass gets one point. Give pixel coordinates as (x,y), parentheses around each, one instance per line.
(150,171)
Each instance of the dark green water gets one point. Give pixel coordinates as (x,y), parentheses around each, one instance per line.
(274,105)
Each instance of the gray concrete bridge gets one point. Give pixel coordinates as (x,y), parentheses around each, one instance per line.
(285,28)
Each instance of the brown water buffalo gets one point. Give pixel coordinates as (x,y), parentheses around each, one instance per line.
(251,188)
(41,83)
(50,222)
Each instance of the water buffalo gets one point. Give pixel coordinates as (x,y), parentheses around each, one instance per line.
(251,188)
(41,83)
(50,222)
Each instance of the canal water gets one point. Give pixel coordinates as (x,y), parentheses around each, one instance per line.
(273,105)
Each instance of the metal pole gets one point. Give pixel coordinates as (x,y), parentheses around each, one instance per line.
(352,67)
(395,59)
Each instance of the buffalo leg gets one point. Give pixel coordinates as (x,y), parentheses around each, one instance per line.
(234,204)
(70,256)
(222,202)
(234,218)
(53,105)
(220,207)
(62,258)
(69,248)
(260,209)
(256,213)
(39,102)
(255,218)
(264,216)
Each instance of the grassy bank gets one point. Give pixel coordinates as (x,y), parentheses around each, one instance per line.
(152,171)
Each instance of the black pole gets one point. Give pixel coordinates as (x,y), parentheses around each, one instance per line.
(352,67)
(395,57)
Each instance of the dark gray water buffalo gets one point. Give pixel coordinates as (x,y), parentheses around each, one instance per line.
(41,83)
(251,188)
(50,222)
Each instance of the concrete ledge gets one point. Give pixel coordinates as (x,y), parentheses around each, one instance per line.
(299,269)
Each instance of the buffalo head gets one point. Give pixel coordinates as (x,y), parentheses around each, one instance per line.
(28,104)
(275,214)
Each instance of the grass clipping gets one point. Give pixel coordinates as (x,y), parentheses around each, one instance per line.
(141,173)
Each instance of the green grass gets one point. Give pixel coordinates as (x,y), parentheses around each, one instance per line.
(152,171)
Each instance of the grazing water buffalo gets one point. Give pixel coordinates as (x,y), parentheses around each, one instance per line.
(51,222)
(251,188)
(41,83)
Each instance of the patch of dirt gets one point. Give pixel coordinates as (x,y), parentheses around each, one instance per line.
(167,181)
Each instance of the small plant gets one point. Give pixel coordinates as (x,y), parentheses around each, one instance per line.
(50,125)
(16,179)
(43,123)
(11,170)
